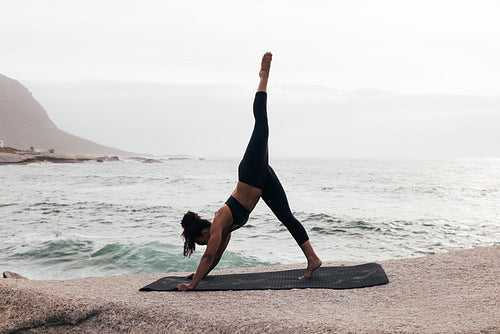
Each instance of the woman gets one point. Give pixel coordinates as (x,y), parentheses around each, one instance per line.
(256,179)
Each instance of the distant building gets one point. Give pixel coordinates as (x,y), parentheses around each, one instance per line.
(2,145)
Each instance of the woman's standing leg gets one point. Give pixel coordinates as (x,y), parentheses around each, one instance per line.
(275,197)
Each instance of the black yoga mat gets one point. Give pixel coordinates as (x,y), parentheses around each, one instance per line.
(345,277)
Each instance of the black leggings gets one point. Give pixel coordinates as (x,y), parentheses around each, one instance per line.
(254,170)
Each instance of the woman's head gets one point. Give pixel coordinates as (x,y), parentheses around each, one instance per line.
(193,226)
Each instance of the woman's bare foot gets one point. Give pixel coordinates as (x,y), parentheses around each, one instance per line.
(313,261)
(265,65)
(312,265)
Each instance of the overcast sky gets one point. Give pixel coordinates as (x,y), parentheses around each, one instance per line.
(344,76)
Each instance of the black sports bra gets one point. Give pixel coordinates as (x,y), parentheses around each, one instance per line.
(239,212)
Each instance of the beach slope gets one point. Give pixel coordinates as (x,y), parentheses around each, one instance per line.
(455,292)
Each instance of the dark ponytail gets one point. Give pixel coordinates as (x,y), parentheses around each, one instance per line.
(193,225)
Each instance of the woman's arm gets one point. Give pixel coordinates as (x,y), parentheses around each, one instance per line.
(218,255)
(206,260)
(216,246)
(220,251)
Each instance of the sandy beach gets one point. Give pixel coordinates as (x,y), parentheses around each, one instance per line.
(455,292)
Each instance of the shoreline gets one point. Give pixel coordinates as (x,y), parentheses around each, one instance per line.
(454,292)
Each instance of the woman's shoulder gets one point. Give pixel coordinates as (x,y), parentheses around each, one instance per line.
(223,216)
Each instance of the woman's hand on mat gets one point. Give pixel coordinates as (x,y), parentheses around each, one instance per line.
(184,287)
(190,276)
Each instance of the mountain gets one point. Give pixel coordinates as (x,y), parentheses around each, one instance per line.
(24,124)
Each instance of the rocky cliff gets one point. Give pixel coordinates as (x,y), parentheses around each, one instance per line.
(24,124)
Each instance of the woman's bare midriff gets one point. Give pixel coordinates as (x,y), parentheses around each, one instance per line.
(247,195)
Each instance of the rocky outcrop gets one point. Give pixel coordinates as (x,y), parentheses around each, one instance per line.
(145,160)
(24,123)
(10,156)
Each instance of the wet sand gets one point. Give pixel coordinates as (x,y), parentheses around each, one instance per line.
(455,292)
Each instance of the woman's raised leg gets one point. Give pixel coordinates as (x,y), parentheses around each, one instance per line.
(253,167)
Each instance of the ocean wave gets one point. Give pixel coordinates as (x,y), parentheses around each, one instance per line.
(326,224)
(7,204)
(50,204)
(71,258)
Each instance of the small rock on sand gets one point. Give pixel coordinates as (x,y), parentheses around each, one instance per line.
(10,274)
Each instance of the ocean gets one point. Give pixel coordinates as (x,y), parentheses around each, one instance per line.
(61,221)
